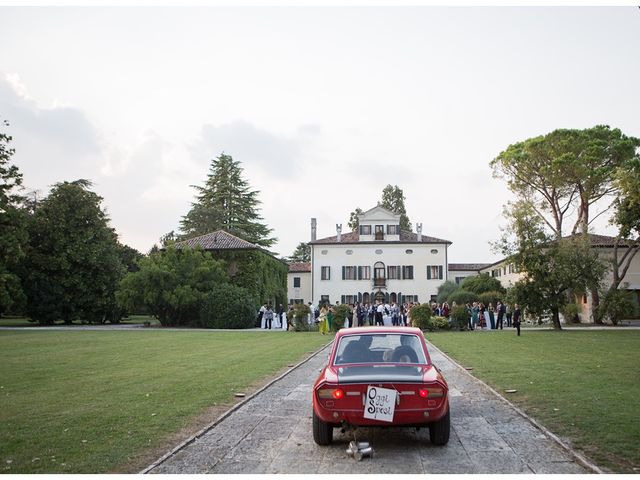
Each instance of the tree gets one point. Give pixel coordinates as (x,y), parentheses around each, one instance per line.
(13,234)
(354,221)
(627,218)
(482,283)
(129,257)
(173,285)
(302,254)
(553,266)
(72,263)
(564,171)
(226,202)
(393,199)
(445,290)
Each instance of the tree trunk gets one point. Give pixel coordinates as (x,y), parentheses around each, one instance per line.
(556,318)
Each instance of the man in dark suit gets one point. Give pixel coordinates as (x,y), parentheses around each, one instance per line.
(516,317)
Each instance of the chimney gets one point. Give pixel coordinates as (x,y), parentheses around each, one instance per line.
(339,230)
(313,229)
(419,230)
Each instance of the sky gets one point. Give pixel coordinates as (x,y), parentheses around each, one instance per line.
(323,107)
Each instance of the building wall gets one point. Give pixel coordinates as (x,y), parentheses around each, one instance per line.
(461,274)
(336,257)
(504,272)
(303,293)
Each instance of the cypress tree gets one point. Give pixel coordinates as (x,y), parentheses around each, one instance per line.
(226,202)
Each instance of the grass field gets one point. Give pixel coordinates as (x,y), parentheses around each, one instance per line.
(95,402)
(24,322)
(582,385)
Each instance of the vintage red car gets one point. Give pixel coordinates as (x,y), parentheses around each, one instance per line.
(380,377)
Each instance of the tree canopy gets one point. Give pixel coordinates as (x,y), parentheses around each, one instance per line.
(227,202)
(302,254)
(73,261)
(13,234)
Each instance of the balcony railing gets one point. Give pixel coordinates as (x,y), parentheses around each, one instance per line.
(379,282)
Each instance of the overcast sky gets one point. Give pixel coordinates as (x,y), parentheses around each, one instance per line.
(322,106)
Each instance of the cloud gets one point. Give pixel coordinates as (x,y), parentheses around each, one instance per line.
(60,138)
(254,147)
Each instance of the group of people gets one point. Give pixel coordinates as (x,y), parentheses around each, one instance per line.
(480,317)
(362,314)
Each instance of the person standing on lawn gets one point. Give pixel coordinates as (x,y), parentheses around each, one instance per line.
(500,309)
(330,319)
(268,317)
(492,316)
(280,311)
(322,320)
(507,312)
(516,317)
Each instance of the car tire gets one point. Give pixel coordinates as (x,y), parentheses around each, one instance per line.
(439,431)
(322,431)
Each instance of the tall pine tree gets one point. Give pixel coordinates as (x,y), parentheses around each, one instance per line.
(227,202)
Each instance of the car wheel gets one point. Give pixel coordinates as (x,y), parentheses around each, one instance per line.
(322,431)
(439,431)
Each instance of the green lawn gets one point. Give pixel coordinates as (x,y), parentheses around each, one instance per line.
(582,385)
(92,402)
(24,321)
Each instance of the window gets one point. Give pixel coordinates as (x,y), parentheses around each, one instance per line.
(365,229)
(434,251)
(497,272)
(349,252)
(296,282)
(294,301)
(434,272)
(364,273)
(325,273)
(378,252)
(379,232)
(324,298)
(403,348)
(348,299)
(410,298)
(393,272)
(324,252)
(407,272)
(408,252)
(393,229)
(349,273)
(459,280)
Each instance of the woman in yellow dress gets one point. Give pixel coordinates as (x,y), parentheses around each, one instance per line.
(322,319)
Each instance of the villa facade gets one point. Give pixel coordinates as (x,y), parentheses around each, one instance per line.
(377,262)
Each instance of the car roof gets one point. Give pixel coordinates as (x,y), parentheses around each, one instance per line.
(373,330)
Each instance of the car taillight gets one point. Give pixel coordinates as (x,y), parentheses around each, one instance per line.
(431,392)
(331,393)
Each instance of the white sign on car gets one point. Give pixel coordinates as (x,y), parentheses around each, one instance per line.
(380,404)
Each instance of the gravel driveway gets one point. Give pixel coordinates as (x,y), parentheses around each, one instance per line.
(271,433)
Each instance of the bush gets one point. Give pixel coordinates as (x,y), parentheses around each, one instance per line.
(616,305)
(440,323)
(462,296)
(490,297)
(227,306)
(421,317)
(340,313)
(570,313)
(459,318)
(301,317)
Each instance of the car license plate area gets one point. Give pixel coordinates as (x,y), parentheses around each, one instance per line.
(380,403)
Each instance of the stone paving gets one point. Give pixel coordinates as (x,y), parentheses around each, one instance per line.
(271,433)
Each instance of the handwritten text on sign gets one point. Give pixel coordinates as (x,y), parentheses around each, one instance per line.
(380,404)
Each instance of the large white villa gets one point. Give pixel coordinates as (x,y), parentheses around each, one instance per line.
(379,261)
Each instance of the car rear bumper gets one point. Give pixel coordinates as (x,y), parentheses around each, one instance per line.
(413,417)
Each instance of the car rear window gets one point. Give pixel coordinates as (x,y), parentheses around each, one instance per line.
(380,348)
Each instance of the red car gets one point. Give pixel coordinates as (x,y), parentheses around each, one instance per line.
(380,377)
